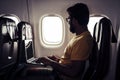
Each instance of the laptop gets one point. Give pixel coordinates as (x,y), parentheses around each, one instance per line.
(29,52)
(32,60)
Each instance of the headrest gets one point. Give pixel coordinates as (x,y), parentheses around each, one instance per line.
(105,25)
(107,22)
(25,30)
(8,29)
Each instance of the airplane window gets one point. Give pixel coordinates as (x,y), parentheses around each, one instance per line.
(92,21)
(52,31)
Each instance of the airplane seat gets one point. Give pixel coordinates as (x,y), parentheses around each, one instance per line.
(24,40)
(99,61)
(8,46)
(117,76)
(104,46)
(105,37)
(25,49)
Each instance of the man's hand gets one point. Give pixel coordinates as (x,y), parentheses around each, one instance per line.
(46,60)
(55,58)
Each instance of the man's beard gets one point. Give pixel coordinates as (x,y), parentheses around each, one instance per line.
(72,29)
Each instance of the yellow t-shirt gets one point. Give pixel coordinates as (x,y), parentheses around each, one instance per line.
(78,48)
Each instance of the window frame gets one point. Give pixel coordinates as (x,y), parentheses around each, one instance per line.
(51,45)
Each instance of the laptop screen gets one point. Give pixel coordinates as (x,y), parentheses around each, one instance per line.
(29,49)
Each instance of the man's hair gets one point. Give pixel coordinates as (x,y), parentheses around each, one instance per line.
(80,12)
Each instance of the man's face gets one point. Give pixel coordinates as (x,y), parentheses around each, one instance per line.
(70,21)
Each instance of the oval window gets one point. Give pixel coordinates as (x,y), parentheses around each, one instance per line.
(52,30)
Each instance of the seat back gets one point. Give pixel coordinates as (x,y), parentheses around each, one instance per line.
(117,77)
(8,45)
(104,45)
(25,41)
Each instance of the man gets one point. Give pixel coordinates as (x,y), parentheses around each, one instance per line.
(71,65)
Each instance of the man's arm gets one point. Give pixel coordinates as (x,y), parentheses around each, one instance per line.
(74,68)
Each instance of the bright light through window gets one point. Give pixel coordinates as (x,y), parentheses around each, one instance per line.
(92,22)
(52,30)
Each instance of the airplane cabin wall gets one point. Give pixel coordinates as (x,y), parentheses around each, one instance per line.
(33,10)
(17,7)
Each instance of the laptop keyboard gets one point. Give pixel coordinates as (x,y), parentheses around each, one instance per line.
(38,62)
